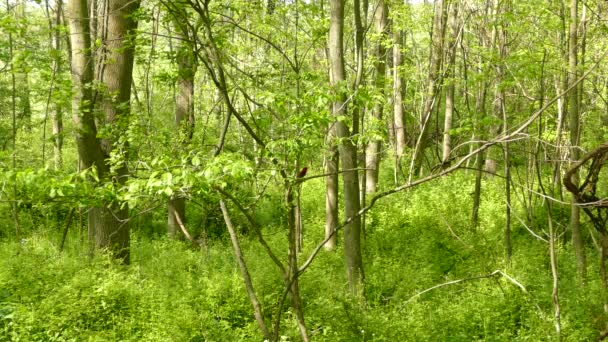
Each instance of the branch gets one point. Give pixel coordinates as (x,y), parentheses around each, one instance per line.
(452,282)
(256,228)
(266,40)
(183,228)
(257,308)
(499,139)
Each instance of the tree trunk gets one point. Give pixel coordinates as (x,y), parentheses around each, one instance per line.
(15,207)
(500,111)
(112,231)
(431,88)
(57,111)
(108,228)
(372,159)
(331,189)
(359,109)
(577,239)
(348,152)
(449,94)
(184,118)
(236,247)
(480,108)
(23,77)
(89,148)
(296,300)
(398,115)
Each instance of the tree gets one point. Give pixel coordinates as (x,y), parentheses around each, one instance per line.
(23,76)
(332,160)
(573,108)
(347,150)
(55,38)
(451,79)
(104,157)
(398,90)
(374,147)
(499,34)
(184,115)
(430,97)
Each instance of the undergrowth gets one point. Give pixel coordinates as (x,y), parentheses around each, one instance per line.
(414,240)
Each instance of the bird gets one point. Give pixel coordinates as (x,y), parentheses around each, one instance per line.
(302,172)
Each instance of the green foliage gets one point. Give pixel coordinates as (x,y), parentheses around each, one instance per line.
(415,240)
(275,68)
(173,293)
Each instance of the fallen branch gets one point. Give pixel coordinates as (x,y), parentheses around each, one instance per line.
(452,282)
(183,228)
(490,275)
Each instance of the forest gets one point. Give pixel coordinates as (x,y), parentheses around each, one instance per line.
(303,170)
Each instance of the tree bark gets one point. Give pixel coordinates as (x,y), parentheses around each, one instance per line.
(398,115)
(89,148)
(236,247)
(348,152)
(15,207)
(57,111)
(23,76)
(332,160)
(573,104)
(500,111)
(449,94)
(296,300)
(372,159)
(480,108)
(108,228)
(431,88)
(184,117)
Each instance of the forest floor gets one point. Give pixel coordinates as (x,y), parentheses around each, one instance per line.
(414,240)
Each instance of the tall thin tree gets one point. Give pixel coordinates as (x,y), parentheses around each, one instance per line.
(372,158)
(347,149)
(573,109)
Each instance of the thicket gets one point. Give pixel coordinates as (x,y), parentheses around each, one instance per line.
(240,110)
(414,241)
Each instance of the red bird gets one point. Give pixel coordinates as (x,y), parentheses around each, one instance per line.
(302,172)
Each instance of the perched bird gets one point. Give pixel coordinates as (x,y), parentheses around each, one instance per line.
(302,172)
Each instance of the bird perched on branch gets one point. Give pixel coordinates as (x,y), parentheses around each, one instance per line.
(302,172)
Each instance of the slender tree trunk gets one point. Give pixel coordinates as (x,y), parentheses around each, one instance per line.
(359,110)
(348,152)
(184,118)
(500,110)
(398,115)
(15,208)
(431,88)
(332,160)
(548,204)
(296,300)
(480,108)
(89,148)
(372,159)
(177,211)
(573,102)
(57,110)
(236,247)
(449,95)
(23,76)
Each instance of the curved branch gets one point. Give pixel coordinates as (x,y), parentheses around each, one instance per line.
(499,139)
